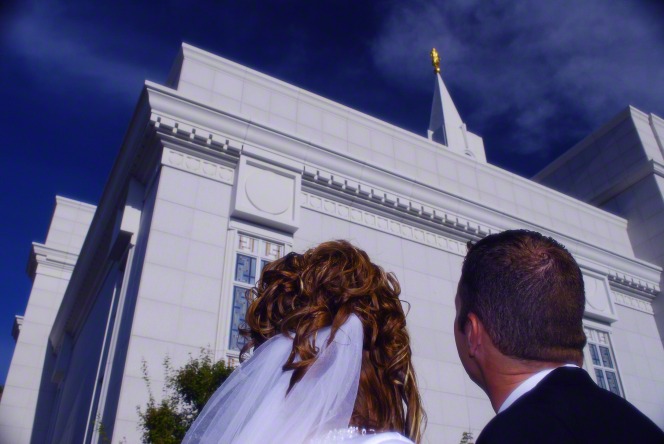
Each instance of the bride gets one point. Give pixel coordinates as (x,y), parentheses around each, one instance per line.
(331,358)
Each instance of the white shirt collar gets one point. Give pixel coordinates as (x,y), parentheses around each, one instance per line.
(527,386)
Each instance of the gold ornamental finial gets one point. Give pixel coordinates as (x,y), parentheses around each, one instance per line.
(435,61)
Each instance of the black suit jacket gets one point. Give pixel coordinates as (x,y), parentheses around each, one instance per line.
(568,407)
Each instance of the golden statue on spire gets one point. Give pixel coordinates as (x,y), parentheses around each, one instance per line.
(435,61)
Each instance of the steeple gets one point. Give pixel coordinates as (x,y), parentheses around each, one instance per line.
(445,124)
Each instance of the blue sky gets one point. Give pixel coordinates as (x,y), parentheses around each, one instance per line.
(531,77)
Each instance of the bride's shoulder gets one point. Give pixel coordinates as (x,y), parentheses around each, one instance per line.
(353,435)
(386,438)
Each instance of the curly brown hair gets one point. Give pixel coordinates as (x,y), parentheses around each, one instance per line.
(299,294)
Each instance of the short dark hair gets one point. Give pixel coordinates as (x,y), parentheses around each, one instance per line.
(527,290)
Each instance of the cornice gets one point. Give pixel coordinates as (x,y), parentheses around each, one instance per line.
(632,285)
(399,207)
(402,197)
(65,201)
(242,134)
(379,222)
(50,257)
(16,327)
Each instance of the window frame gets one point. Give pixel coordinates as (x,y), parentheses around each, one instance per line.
(237,228)
(598,336)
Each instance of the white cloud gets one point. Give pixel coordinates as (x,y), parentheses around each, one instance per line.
(62,52)
(530,61)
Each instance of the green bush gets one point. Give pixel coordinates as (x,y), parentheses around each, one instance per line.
(466,438)
(186,391)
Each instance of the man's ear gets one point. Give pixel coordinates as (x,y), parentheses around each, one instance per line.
(473,331)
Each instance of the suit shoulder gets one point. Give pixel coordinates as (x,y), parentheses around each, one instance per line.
(526,425)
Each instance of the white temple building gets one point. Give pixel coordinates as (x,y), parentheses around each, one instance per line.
(225,168)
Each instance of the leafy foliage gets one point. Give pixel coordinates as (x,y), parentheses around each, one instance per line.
(467,438)
(186,391)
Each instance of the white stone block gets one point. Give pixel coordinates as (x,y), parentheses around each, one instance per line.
(209,228)
(383,161)
(25,376)
(29,355)
(599,301)
(197,328)
(213,197)
(473,390)
(226,104)
(126,431)
(177,186)
(423,340)
(337,144)
(480,413)
(283,106)
(11,433)
(195,92)
(256,96)
(359,152)
(454,409)
(167,250)
(228,84)
(309,116)
(173,218)
(426,160)
(33,333)
(162,284)
(281,124)
(267,194)
(157,320)
(358,134)
(309,134)
(446,347)
(202,293)
(205,259)
(134,394)
(254,114)
(451,378)
(426,372)
(197,73)
(335,125)
(382,143)
(19,397)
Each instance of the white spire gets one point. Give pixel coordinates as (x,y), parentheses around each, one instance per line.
(445,125)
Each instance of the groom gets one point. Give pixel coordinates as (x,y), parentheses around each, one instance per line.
(520,337)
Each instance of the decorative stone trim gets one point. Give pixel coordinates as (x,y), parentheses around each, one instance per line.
(399,205)
(381,223)
(52,258)
(200,167)
(633,302)
(624,280)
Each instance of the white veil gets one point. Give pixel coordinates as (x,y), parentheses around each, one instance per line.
(252,405)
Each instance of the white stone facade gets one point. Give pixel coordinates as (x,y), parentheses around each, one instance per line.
(226,162)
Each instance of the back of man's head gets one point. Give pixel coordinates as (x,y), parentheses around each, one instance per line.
(527,290)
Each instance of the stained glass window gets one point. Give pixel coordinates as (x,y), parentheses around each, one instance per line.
(602,360)
(612,380)
(599,374)
(594,354)
(252,255)
(239,309)
(245,269)
(606,356)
